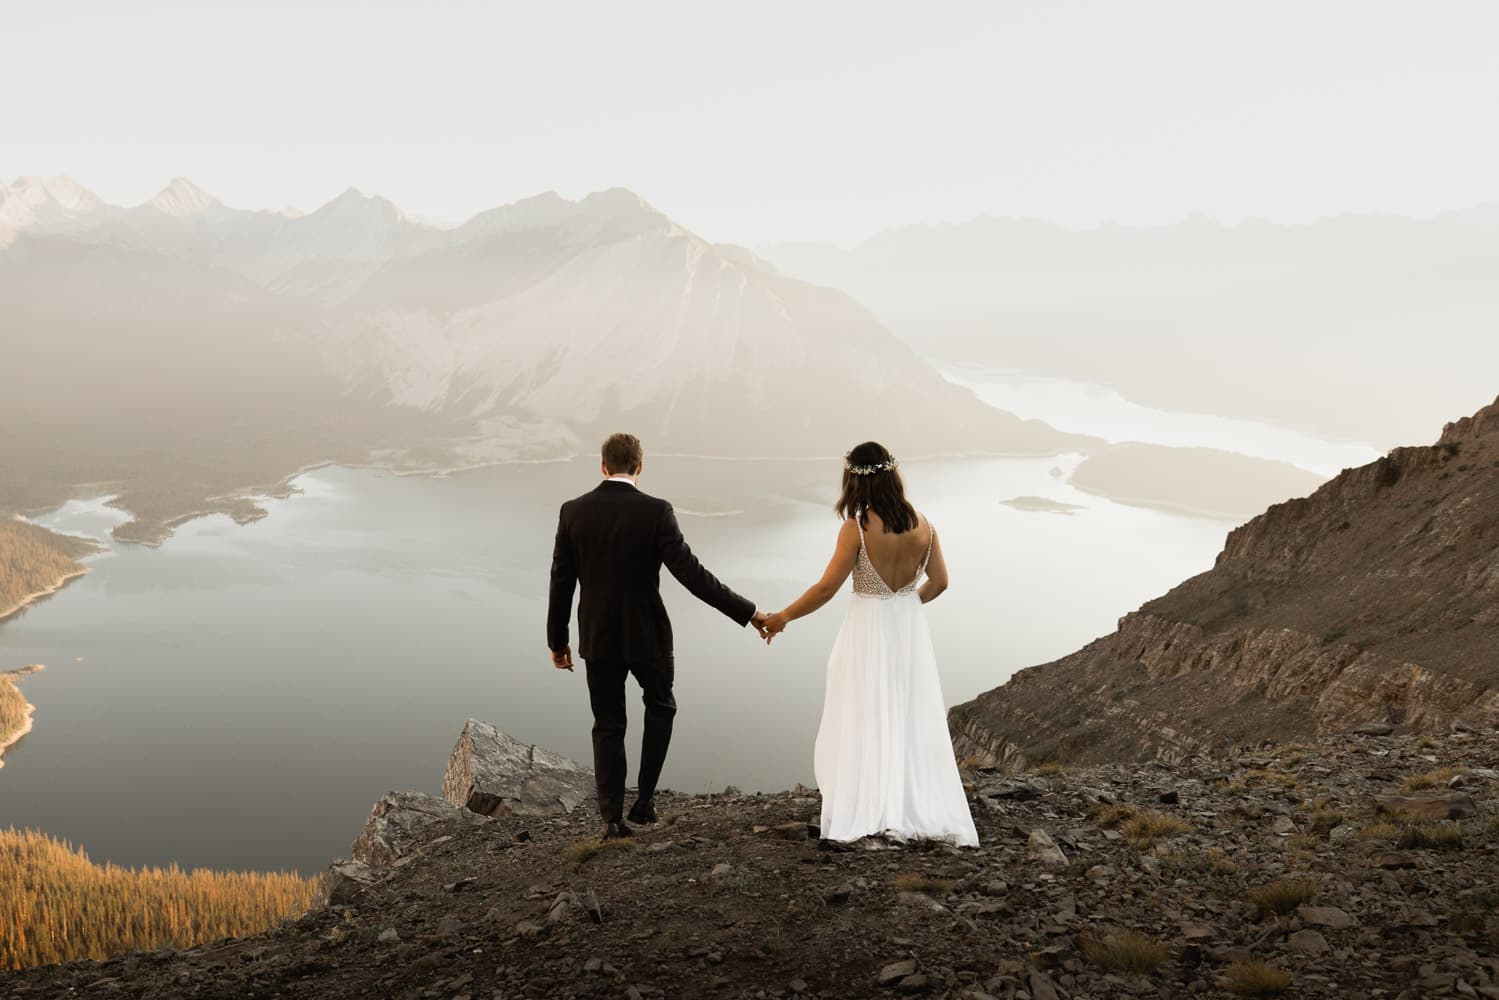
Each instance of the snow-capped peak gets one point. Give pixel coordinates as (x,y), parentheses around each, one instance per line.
(67,193)
(182,197)
(32,201)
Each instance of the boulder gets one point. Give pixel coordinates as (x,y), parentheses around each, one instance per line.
(1438,805)
(1325,916)
(1308,942)
(403,821)
(343,881)
(492,774)
(1374,729)
(896,971)
(1040,847)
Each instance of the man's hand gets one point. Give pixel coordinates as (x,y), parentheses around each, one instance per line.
(773,626)
(758,620)
(562,658)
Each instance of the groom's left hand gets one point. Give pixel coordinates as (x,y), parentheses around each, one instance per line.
(758,620)
(562,658)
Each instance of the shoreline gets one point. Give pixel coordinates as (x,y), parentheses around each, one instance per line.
(8,677)
(283,487)
(1164,506)
(32,598)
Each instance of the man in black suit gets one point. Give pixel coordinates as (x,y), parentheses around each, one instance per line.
(614,541)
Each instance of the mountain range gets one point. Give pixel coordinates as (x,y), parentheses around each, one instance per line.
(185,351)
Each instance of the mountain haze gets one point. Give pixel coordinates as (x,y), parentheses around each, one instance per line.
(237,346)
(1356,327)
(49,204)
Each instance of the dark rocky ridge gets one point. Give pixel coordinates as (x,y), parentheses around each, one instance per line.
(1375,599)
(732,896)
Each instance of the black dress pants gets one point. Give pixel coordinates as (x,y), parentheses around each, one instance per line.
(606,692)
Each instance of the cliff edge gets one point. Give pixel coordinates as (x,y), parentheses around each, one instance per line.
(1373,601)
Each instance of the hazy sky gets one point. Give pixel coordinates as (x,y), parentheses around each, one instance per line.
(760,121)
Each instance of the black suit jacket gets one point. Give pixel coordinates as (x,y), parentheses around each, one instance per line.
(614,541)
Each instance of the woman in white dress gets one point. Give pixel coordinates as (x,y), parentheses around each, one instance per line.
(884,759)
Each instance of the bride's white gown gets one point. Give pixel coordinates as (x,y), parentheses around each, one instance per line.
(884,759)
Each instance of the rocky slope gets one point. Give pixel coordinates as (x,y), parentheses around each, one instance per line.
(1356,867)
(1376,599)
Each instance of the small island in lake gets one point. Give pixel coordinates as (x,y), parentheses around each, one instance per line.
(1042,505)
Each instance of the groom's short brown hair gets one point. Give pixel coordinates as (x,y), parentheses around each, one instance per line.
(622,454)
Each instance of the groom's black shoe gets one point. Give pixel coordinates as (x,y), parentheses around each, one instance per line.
(615,831)
(643,813)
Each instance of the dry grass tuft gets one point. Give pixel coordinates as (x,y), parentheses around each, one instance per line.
(1123,950)
(1379,830)
(915,882)
(1147,828)
(1255,979)
(1443,836)
(1323,820)
(586,850)
(1142,828)
(1430,779)
(1283,895)
(1111,816)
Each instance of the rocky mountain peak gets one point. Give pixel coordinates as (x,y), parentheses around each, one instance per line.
(354,204)
(1480,424)
(37,202)
(181,198)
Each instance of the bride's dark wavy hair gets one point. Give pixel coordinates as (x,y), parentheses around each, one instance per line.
(881,491)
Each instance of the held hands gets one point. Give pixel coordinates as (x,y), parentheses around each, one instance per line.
(562,658)
(769,625)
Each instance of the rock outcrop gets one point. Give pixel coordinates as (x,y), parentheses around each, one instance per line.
(492,774)
(400,823)
(1373,601)
(489,774)
(399,826)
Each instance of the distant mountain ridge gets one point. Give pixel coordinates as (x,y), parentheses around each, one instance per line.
(1345,327)
(1373,601)
(356,333)
(52,204)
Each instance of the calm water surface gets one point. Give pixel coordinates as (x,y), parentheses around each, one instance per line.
(239,697)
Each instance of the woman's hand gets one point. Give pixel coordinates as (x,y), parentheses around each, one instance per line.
(775,625)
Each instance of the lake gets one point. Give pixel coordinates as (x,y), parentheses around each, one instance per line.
(240,697)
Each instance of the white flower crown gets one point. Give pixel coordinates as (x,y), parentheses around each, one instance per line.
(869,470)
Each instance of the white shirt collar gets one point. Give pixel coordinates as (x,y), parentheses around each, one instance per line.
(622,479)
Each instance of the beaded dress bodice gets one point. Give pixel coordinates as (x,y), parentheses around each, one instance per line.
(867,580)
